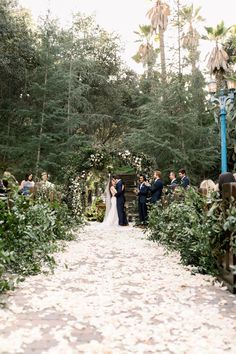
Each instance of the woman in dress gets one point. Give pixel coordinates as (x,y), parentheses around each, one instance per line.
(27,184)
(111,217)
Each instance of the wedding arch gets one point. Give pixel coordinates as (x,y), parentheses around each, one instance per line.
(87,185)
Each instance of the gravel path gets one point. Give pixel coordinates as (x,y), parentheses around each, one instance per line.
(115,292)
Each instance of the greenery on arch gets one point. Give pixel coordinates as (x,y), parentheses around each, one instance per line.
(88,171)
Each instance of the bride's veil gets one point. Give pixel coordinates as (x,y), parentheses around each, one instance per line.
(107,195)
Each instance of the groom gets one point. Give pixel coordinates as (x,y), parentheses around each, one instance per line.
(120,196)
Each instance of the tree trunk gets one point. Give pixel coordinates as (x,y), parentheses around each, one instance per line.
(42,119)
(194,57)
(193,62)
(8,137)
(179,38)
(162,51)
(69,97)
(220,80)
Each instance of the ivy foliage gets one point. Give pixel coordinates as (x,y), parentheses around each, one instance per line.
(199,229)
(29,232)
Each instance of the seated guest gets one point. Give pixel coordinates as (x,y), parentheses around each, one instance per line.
(142,193)
(156,187)
(207,187)
(226,177)
(27,184)
(184,180)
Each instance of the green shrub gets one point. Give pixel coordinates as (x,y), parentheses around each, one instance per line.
(28,234)
(94,212)
(195,227)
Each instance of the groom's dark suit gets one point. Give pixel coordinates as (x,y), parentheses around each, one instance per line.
(121,203)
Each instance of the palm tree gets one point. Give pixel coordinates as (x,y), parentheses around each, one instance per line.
(190,39)
(230,45)
(146,53)
(218,59)
(158,16)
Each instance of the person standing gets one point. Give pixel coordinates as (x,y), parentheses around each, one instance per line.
(9,179)
(173,181)
(45,184)
(156,187)
(120,196)
(47,188)
(184,180)
(27,185)
(142,200)
(111,216)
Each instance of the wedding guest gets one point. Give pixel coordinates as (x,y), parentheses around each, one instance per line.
(226,177)
(45,184)
(207,186)
(173,181)
(27,184)
(47,188)
(184,180)
(142,193)
(156,187)
(9,179)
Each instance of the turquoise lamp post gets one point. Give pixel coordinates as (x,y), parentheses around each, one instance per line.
(221,99)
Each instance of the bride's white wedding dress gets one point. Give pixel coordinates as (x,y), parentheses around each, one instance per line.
(111,217)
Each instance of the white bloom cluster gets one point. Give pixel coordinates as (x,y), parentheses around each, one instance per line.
(83,174)
(133,160)
(96,159)
(125,155)
(76,189)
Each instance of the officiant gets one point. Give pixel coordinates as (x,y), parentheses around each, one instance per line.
(142,193)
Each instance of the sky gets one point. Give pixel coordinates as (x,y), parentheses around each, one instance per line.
(124,17)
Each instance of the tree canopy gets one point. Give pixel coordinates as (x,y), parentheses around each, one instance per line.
(65,92)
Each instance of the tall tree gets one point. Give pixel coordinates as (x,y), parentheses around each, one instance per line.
(190,17)
(146,53)
(17,59)
(158,16)
(230,45)
(49,51)
(160,132)
(218,59)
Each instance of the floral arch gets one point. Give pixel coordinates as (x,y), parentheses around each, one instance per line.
(88,185)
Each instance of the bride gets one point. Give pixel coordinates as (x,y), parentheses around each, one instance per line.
(111,216)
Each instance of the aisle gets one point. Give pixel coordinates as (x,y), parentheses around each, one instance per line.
(115,292)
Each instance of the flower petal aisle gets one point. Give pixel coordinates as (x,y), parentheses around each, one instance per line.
(116,292)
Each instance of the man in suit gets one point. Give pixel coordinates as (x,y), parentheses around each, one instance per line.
(142,200)
(156,187)
(120,197)
(184,180)
(173,181)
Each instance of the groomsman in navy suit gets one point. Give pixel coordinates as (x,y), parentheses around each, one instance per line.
(156,187)
(173,181)
(185,183)
(142,200)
